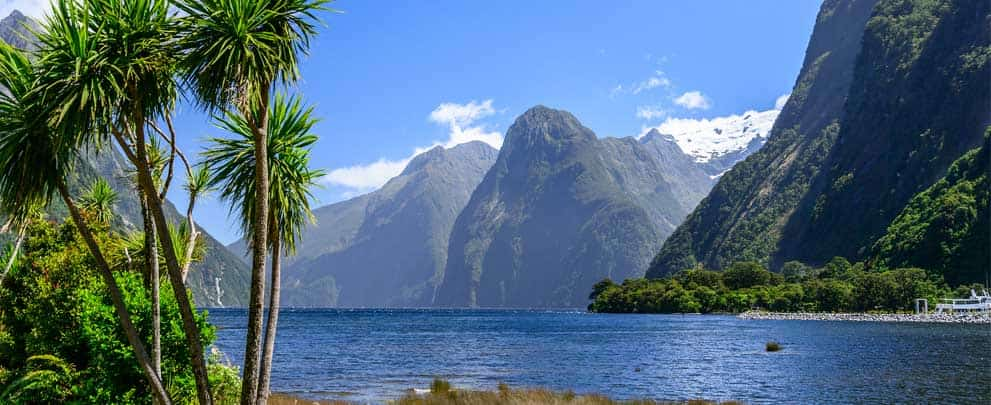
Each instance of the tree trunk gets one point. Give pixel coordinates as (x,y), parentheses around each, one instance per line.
(193,338)
(117,298)
(259,247)
(187,257)
(154,281)
(13,253)
(273,320)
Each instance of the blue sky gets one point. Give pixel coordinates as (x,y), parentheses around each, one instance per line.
(389,78)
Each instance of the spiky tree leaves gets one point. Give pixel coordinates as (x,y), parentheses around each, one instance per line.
(232,161)
(99,201)
(235,51)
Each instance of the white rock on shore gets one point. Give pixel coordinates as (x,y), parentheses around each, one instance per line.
(963,317)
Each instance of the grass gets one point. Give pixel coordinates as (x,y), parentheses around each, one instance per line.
(285,399)
(772,346)
(441,393)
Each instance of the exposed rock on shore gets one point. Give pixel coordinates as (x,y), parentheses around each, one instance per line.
(976,318)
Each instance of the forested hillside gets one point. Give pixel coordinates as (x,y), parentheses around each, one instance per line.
(889,96)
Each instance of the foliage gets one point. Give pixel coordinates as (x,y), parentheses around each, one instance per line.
(946,227)
(903,84)
(231,163)
(60,340)
(99,201)
(837,287)
(506,395)
(236,49)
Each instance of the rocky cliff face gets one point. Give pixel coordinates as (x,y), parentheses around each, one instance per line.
(561,209)
(890,94)
(388,248)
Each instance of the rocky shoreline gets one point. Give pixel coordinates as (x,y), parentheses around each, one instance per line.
(971,318)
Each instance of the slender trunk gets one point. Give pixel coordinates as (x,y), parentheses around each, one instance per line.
(154,281)
(117,298)
(187,258)
(13,253)
(259,246)
(193,338)
(273,320)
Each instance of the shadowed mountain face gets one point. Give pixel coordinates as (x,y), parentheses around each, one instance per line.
(387,248)
(562,209)
(890,94)
(221,279)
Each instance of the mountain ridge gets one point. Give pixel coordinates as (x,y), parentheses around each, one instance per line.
(559,210)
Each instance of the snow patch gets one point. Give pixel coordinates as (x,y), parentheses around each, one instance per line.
(707,139)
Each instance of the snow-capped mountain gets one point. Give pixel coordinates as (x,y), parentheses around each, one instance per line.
(717,144)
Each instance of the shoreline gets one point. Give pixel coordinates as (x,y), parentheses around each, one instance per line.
(959,318)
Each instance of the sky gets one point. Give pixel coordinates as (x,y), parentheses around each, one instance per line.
(389,79)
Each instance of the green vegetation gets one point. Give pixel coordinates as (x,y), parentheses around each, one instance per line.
(806,196)
(945,228)
(441,393)
(232,164)
(836,287)
(109,71)
(60,340)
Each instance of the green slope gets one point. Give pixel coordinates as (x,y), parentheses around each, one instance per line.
(884,105)
(946,228)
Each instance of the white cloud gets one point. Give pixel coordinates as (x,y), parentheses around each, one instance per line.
(780,102)
(30,8)
(659,79)
(649,112)
(693,100)
(366,177)
(460,117)
(462,128)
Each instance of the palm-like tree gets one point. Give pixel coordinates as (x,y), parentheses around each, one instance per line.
(232,163)
(99,201)
(235,51)
(108,66)
(37,155)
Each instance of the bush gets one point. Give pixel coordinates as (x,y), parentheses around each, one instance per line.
(55,304)
(440,386)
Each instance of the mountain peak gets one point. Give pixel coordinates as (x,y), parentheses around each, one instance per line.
(655,135)
(476,150)
(541,125)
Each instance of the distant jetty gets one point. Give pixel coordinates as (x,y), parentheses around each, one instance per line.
(973,317)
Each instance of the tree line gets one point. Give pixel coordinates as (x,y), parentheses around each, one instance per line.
(838,286)
(106,76)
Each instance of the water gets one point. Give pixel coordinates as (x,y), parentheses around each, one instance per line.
(373,355)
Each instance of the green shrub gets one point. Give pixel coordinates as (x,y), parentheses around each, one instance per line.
(440,386)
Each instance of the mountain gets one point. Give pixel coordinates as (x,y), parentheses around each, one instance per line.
(219,280)
(561,209)
(13,32)
(719,143)
(946,228)
(891,93)
(387,248)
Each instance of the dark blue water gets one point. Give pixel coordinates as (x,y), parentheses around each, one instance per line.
(371,355)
